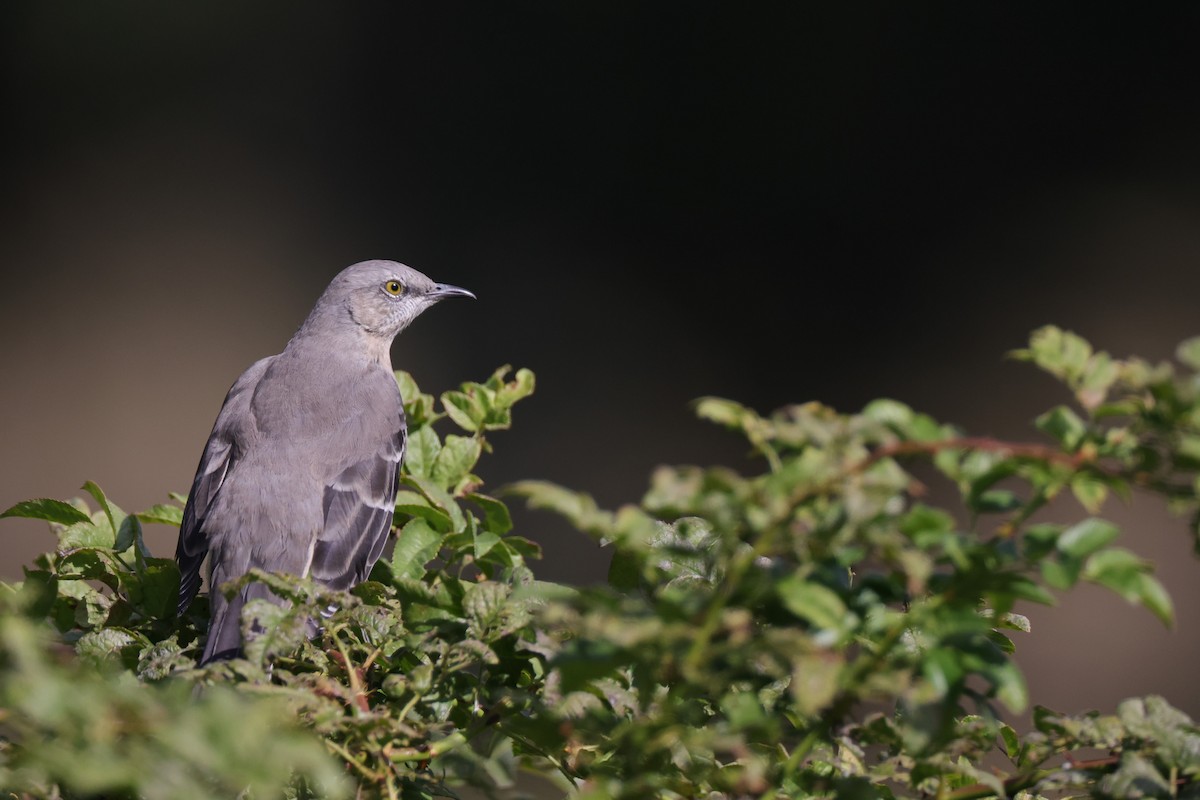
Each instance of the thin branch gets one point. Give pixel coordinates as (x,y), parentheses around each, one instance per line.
(353,675)
(1039,452)
(1026,780)
(1013,785)
(350,760)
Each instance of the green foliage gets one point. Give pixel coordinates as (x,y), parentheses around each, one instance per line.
(809,629)
(85,727)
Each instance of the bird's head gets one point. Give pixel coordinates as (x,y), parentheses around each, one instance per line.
(383,297)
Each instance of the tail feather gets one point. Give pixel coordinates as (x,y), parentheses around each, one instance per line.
(189,578)
(225,629)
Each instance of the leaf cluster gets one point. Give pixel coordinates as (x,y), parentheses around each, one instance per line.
(810,628)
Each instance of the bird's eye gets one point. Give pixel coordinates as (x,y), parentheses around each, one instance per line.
(394,288)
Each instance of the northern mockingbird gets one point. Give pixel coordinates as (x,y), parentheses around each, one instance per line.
(299,474)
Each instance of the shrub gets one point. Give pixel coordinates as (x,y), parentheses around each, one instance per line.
(813,629)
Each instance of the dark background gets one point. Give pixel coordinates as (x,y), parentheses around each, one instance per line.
(653,202)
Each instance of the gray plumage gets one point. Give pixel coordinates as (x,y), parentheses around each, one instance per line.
(299,474)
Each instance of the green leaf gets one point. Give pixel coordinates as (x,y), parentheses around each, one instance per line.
(488,406)
(892,413)
(729,413)
(1154,719)
(467,410)
(1188,352)
(583,660)
(418,406)
(943,669)
(1129,576)
(1013,622)
(578,508)
(37,593)
(815,681)
(1063,425)
(50,510)
(162,514)
(111,511)
(1187,448)
(440,499)
(927,527)
(1040,540)
(1153,595)
(495,513)
(1025,589)
(407,385)
(743,710)
(1012,742)
(1099,375)
(1091,492)
(1058,352)
(421,451)
(1137,777)
(537,593)
(625,571)
(519,388)
(270,630)
(128,534)
(416,545)
(160,587)
(925,428)
(526,548)
(483,543)
(108,643)
(1047,721)
(812,602)
(1010,686)
(97,533)
(483,604)
(127,531)
(982,497)
(94,564)
(1085,538)
(456,459)
(413,504)
(1116,568)
(994,501)
(1061,574)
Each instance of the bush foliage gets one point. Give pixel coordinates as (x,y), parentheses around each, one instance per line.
(812,629)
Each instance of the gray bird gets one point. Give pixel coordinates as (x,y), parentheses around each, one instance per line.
(300,472)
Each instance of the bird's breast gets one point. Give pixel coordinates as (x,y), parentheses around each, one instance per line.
(322,420)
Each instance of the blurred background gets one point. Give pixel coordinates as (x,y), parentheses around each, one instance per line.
(653,202)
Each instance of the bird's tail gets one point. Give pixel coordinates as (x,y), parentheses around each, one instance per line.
(225,629)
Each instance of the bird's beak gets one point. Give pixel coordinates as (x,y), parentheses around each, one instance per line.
(441,290)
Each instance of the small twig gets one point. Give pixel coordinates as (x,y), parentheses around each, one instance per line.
(1023,781)
(353,675)
(533,748)
(1039,452)
(408,707)
(1095,763)
(349,759)
(371,660)
(795,760)
(1013,785)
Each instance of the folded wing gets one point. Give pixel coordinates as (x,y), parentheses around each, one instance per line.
(220,454)
(358,507)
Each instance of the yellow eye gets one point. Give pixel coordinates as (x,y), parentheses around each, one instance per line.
(394,288)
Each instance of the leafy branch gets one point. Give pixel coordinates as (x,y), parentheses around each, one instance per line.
(810,629)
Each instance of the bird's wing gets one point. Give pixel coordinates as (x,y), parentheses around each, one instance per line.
(220,453)
(359,504)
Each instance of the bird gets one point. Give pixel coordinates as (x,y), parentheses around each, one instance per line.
(300,472)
